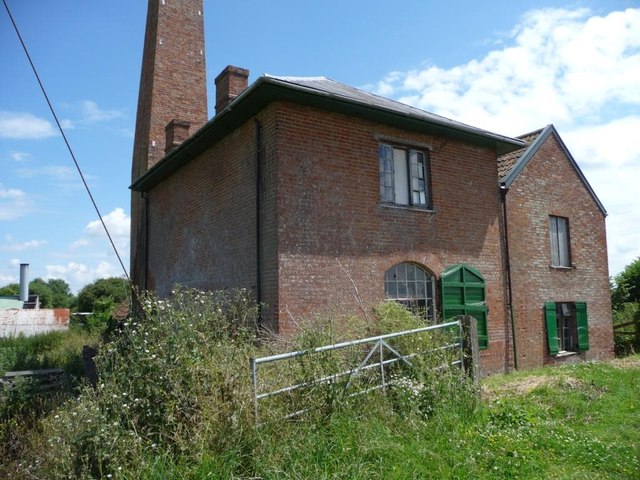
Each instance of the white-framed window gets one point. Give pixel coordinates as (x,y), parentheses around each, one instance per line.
(559,235)
(404,178)
(413,287)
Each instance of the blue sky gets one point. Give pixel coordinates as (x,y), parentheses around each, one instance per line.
(510,67)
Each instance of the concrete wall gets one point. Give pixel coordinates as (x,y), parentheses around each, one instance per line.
(14,322)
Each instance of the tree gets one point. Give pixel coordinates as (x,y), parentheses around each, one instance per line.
(62,296)
(627,285)
(39,287)
(54,293)
(94,295)
(10,289)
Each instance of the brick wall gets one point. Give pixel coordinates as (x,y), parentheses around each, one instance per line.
(549,185)
(202,220)
(334,235)
(172,86)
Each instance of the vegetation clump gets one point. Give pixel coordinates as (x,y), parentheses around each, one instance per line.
(174,399)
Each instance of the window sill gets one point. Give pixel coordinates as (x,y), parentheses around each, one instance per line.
(561,267)
(407,207)
(564,353)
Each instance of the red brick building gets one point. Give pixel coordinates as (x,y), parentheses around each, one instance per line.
(557,254)
(322,198)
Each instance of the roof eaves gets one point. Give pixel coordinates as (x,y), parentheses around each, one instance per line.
(268,88)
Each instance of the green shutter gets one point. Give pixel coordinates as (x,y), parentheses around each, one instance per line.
(464,293)
(583,326)
(552,328)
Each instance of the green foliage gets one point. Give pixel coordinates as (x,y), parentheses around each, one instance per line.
(92,296)
(626,286)
(61,293)
(54,293)
(45,350)
(10,289)
(174,400)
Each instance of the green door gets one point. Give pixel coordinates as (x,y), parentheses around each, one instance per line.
(464,293)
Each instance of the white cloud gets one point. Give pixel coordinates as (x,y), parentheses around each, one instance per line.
(79,274)
(572,68)
(88,112)
(55,172)
(91,113)
(118,223)
(19,156)
(14,203)
(81,242)
(20,247)
(24,126)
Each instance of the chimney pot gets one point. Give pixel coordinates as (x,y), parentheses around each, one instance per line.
(231,82)
(176,132)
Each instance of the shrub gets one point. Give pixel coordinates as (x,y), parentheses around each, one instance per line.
(174,383)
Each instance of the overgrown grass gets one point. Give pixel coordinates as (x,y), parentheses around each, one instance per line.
(174,401)
(61,349)
(21,407)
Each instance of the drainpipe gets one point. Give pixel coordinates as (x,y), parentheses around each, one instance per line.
(503,196)
(145,198)
(24,282)
(258,233)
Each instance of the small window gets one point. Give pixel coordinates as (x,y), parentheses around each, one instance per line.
(413,287)
(567,327)
(559,234)
(403,176)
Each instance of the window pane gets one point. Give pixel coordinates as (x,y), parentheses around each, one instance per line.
(553,233)
(415,294)
(563,242)
(401,178)
(559,236)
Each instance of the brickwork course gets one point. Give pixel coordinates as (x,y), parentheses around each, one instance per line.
(279,193)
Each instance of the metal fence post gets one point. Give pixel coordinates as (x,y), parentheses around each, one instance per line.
(254,385)
(384,385)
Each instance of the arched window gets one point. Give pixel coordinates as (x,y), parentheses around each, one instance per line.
(413,287)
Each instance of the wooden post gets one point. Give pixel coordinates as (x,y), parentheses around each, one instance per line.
(471,348)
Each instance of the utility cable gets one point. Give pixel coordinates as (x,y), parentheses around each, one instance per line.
(86,186)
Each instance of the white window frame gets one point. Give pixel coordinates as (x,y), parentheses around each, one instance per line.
(404,176)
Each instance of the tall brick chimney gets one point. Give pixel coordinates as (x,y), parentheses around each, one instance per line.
(173,84)
(173,94)
(229,84)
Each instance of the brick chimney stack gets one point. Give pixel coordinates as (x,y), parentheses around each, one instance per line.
(173,82)
(231,82)
(173,90)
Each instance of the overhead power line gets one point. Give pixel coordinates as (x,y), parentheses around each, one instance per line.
(66,141)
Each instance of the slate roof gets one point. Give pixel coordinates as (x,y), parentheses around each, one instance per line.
(323,85)
(319,92)
(512,163)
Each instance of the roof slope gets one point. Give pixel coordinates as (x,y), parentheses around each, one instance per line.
(326,94)
(511,164)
